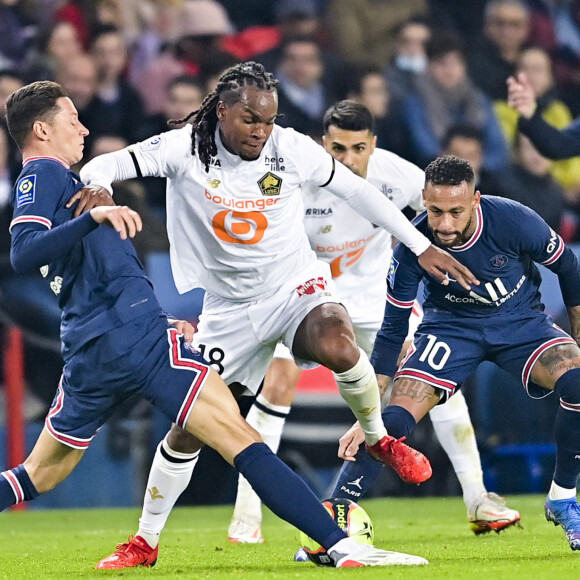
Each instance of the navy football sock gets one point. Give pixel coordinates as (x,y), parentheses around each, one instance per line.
(567,430)
(357,477)
(15,486)
(398,421)
(286,494)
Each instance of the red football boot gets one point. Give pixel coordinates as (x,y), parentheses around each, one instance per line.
(135,552)
(411,465)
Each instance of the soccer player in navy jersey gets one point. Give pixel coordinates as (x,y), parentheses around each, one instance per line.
(501,321)
(117,342)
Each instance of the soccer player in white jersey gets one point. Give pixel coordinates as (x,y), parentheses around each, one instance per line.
(359,255)
(234,219)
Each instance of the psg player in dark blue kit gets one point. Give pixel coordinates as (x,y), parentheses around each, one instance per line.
(117,342)
(501,321)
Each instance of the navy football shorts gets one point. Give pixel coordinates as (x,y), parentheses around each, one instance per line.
(146,357)
(446,350)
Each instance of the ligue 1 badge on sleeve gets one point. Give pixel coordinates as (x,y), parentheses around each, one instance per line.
(25,190)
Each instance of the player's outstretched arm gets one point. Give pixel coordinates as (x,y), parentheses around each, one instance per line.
(125,220)
(444,266)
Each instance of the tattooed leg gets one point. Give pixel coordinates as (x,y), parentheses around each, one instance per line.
(417,397)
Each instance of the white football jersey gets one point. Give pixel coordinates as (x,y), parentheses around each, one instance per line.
(237,230)
(358,252)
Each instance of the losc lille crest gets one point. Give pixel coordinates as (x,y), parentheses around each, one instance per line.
(270,184)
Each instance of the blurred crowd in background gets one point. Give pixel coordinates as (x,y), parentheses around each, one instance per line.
(432,72)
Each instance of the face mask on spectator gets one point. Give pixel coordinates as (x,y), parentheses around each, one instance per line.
(416,63)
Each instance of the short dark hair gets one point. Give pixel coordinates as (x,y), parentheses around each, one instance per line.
(464,131)
(349,116)
(34,102)
(449,170)
(443,42)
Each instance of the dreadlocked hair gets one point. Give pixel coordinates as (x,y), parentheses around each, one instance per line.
(229,90)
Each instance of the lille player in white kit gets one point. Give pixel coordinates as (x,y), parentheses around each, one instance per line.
(359,255)
(235,224)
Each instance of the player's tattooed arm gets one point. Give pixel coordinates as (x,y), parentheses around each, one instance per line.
(574,318)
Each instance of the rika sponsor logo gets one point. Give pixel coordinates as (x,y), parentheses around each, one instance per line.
(215,162)
(270,184)
(318,211)
(312,286)
(498,261)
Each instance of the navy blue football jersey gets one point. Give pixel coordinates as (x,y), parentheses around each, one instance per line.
(98,278)
(508,239)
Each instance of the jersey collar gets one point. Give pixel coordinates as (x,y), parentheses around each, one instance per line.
(37,157)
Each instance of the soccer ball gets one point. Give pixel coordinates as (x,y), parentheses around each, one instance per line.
(351,518)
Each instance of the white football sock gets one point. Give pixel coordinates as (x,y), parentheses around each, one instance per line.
(167,481)
(358,387)
(268,419)
(454,430)
(558,492)
(348,546)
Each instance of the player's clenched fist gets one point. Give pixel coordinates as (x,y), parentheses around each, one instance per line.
(125,220)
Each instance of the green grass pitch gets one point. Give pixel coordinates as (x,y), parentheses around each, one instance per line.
(66,544)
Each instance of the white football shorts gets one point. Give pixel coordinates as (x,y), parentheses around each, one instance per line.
(238,338)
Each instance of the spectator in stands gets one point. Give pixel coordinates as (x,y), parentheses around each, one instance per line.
(551,142)
(555,26)
(16,34)
(54,46)
(363,31)
(184,95)
(202,24)
(78,75)
(528,180)
(410,58)
(156,24)
(371,89)
(446,96)
(466,142)
(118,106)
(300,19)
(494,55)
(10,80)
(292,19)
(303,94)
(536,64)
